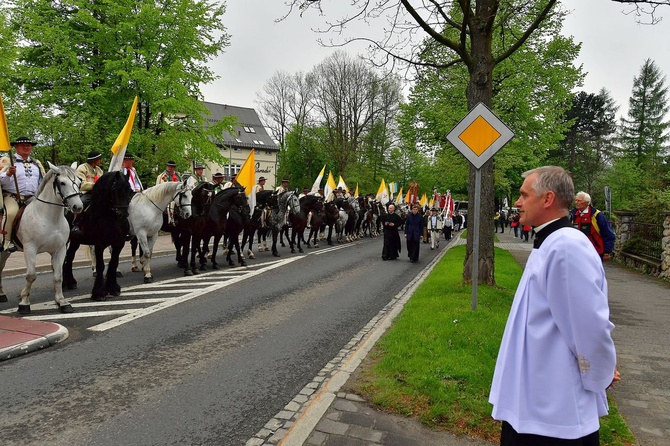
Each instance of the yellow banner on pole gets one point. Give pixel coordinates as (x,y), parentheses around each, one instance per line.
(4,134)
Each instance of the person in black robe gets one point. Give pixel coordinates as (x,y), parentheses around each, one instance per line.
(413,230)
(391,223)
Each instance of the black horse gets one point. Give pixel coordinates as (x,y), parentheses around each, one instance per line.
(103,223)
(214,224)
(308,204)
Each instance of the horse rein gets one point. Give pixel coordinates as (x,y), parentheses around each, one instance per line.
(57,190)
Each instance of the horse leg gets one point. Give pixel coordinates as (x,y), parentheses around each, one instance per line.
(275,232)
(215,249)
(57,265)
(330,235)
(240,257)
(147,244)
(111,284)
(133,253)
(69,282)
(99,293)
(31,275)
(4,255)
(229,249)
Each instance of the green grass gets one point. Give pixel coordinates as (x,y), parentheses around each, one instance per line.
(436,362)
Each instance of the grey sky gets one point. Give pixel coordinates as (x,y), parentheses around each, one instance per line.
(614,46)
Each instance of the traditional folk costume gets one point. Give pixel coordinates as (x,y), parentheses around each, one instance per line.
(434,228)
(88,174)
(29,175)
(557,356)
(166,177)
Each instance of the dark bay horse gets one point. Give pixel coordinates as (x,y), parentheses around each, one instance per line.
(103,223)
(307,205)
(257,225)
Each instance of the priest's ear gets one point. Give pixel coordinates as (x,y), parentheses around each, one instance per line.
(549,199)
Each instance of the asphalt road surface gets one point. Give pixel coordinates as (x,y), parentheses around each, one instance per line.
(204,360)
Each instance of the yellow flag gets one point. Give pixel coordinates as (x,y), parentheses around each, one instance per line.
(400,197)
(247,178)
(317,182)
(356,193)
(383,193)
(121,143)
(431,202)
(407,197)
(330,185)
(342,184)
(423,200)
(382,188)
(4,134)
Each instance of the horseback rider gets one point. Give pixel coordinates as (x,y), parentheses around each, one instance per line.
(217,181)
(168,175)
(89,172)
(283,187)
(305,192)
(26,173)
(131,172)
(260,187)
(199,174)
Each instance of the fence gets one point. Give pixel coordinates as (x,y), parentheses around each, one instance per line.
(644,246)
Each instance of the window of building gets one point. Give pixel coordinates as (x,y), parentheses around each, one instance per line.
(249,129)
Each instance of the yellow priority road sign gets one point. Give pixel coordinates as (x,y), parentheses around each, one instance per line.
(480,135)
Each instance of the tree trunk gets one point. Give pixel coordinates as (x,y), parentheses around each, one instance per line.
(480,89)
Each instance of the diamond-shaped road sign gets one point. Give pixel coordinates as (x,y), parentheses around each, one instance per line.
(480,135)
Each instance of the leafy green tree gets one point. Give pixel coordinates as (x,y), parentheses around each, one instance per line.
(81,63)
(644,133)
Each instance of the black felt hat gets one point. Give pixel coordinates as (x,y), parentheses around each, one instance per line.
(23,140)
(93,155)
(128,156)
(217,175)
(171,164)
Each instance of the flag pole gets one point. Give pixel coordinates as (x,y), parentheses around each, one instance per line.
(19,200)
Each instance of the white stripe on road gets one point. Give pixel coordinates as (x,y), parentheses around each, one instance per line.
(136,314)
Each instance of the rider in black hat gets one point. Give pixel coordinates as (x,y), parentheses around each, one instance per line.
(89,172)
(131,172)
(27,173)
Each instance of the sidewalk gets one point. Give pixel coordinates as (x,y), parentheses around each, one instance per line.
(640,309)
(19,336)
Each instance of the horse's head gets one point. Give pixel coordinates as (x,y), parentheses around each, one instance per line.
(183,199)
(66,184)
(292,203)
(112,192)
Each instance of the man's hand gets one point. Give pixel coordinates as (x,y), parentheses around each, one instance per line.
(617,377)
(607,256)
(11,171)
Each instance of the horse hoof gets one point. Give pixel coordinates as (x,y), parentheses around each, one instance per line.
(243,263)
(195,271)
(148,280)
(330,243)
(95,274)
(119,274)
(215,266)
(99,298)
(231,263)
(69,286)
(316,245)
(135,269)
(23,309)
(276,254)
(182,265)
(3,298)
(188,272)
(66,309)
(251,255)
(292,251)
(300,250)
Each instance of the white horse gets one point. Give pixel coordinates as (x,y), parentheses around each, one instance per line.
(145,216)
(43,228)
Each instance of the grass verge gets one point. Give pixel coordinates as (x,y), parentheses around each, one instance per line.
(436,362)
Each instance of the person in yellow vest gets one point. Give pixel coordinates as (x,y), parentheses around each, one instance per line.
(27,174)
(89,172)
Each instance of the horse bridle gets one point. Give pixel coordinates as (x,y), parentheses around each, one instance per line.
(58,191)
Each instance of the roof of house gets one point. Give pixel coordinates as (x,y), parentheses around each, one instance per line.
(250,133)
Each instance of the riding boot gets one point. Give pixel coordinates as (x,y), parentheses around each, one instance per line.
(76,230)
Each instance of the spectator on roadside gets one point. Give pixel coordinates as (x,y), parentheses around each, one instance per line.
(435,225)
(515,224)
(447,226)
(557,357)
(594,224)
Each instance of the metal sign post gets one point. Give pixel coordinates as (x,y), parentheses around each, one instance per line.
(478,137)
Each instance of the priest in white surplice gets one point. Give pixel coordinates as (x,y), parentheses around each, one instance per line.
(557,357)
